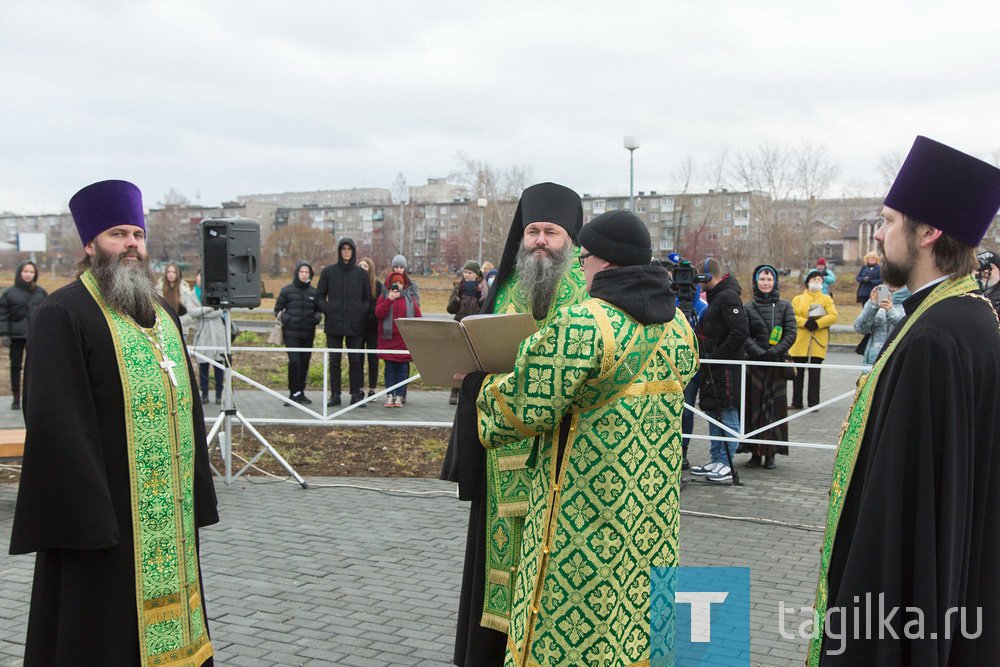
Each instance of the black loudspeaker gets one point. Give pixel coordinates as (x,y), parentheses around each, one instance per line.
(230,253)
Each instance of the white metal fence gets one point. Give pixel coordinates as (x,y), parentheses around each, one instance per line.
(323,415)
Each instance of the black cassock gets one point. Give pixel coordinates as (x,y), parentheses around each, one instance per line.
(921,519)
(74,499)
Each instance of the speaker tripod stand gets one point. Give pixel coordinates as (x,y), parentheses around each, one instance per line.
(223,427)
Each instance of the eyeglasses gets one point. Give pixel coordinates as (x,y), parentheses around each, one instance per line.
(583,257)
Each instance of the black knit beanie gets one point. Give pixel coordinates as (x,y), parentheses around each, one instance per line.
(619,237)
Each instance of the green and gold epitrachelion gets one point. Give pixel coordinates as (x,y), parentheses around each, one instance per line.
(160,435)
(608,510)
(507,477)
(851,436)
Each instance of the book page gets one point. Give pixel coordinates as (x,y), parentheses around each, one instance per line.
(495,338)
(439,347)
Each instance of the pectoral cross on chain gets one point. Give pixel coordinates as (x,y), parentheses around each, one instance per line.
(168,367)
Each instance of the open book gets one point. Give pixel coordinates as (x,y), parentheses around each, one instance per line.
(442,348)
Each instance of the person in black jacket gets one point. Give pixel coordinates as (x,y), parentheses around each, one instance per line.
(772,332)
(724,328)
(17,305)
(344,294)
(299,311)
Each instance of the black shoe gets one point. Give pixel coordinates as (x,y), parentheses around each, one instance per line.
(684,463)
(204,398)
(357,398)
(334,401)
(754,462)
(769,463)
(371,392)
(15,404)
(304,400)
(218,400)
(453,398)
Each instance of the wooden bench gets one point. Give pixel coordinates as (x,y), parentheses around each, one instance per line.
(11,443)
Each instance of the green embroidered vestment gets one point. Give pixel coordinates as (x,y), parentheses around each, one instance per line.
(598,519)
(160,435)
(506,473)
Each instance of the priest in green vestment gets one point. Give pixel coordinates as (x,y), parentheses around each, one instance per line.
(538,274)
(116,480)
(599,394)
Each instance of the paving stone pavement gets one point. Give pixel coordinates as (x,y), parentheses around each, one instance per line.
(332,575)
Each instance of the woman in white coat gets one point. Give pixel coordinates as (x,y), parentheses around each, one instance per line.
(209,328)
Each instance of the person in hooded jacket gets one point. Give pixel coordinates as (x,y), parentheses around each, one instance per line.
(299,312)
(17,305)
(398,301)
(814,314)
(724,328)
(772,333)
(344,294)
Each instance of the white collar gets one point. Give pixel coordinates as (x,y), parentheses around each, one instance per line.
(932,283)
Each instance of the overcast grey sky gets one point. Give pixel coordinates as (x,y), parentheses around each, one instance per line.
(234,97)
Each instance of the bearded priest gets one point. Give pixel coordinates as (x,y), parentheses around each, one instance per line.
(115,481)
(538,274)
(912,533)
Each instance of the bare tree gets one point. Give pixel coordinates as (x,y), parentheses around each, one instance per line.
(786,185)
(887,168)
(716,170)
(501,188)
(400,198)
(173,198)
(296,242)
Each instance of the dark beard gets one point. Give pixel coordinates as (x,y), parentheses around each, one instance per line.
(898,274)
(128,287)
(539,275)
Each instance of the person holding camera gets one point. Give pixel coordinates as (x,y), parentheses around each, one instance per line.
(724,329)
(989,277)
(17,304)
(814,314)
(398,301)
(879,317)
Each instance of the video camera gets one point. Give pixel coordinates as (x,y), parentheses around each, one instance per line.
(683,277)
(988,262)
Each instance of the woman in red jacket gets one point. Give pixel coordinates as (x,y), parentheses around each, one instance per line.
(397,301)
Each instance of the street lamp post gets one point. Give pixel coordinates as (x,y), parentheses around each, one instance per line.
(481,203)
(631,143)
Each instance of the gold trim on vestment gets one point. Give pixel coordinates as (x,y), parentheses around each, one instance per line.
(512,462)
(494,622)
(607,334)
(508,414)
(190,656)
(506,510)
(500,577)
(658,387)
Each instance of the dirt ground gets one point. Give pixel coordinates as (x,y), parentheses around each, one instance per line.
(363,451)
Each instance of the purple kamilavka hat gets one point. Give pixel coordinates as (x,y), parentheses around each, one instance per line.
(947,189)
(105,204)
